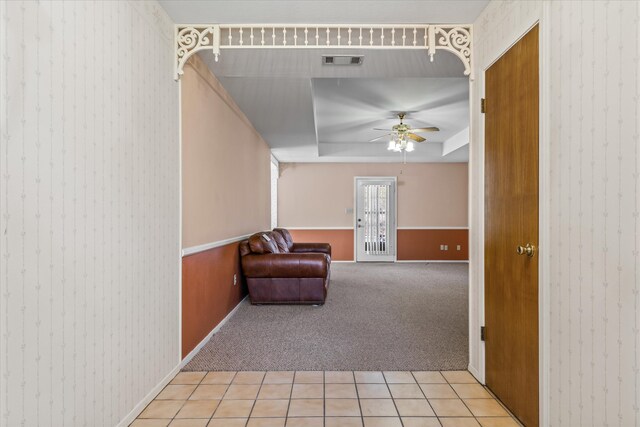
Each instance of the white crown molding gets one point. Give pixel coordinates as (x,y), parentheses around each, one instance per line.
(205,247)
(190,39)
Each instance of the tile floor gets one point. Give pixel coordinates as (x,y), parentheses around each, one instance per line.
(324,399)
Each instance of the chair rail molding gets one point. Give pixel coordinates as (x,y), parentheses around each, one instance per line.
(190,39)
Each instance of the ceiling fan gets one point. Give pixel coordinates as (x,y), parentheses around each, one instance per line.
(402,133)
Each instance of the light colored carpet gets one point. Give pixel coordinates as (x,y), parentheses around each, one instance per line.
(377,317)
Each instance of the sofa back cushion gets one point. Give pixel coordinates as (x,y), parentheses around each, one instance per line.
(244,248)
(263,243)
(286,236)
(283,246)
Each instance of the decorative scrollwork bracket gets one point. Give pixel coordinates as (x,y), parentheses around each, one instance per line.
(192,39)
(456,39)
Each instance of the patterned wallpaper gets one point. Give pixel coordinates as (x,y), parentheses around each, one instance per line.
(89,209)
(594,271)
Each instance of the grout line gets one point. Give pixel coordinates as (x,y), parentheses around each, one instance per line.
(355,384)
(286,415)
(422,391)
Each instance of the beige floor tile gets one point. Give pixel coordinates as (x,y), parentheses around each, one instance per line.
(198,409)
(459,377)
(369,377)
(248,377)
(340,391)
(270,408)
(234,409)
(275,391)
(228,422)
(406,391)
(209,392)
(378,408)
(338,377)
(307,391)
(471,391)
(266,422)
(150,423)
(188,378)
(486,408)
(459,422)
(309,377)
(429,377)
(449,408)
(305,422)
(162,409)
(497,422)
(382,422)
(438,391)
(189,423)
(176,392)
(306,408)
(223,377)
(420,422)
(343,422)
(278,377)
(373,391)
(414,408)
(399,377)
(342,408)
(242,391)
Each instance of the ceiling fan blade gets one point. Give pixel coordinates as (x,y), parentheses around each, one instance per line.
(380,137)
(379,129)
(416,138)
(431,129)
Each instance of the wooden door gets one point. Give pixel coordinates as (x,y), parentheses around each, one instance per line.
(511,220)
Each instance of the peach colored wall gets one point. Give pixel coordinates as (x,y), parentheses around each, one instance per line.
(317,194)
(225,163)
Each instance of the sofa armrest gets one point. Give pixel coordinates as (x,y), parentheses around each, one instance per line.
(324,248)
(286,265)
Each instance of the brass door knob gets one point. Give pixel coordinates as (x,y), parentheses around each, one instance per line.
(528,250)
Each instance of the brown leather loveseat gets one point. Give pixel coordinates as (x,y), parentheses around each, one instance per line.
(279,271)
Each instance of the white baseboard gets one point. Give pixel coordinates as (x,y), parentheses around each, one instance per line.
(137,410)
(214,331)
(475,373)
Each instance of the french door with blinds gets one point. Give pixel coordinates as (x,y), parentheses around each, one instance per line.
(375,219)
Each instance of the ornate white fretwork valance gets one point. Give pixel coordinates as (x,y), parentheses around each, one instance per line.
(190,39)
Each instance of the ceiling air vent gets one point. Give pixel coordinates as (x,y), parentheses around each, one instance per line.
(342,59)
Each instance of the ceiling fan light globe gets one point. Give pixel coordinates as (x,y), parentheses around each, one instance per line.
(391,145)
(410,147)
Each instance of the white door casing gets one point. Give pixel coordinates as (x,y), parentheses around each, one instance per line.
(375,221)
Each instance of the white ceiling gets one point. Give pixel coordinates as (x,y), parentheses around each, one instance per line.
(348,110)
(309,112)
(278,90)
(324,12)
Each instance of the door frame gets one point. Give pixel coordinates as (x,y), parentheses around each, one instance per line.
(477,206)
(355,214)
